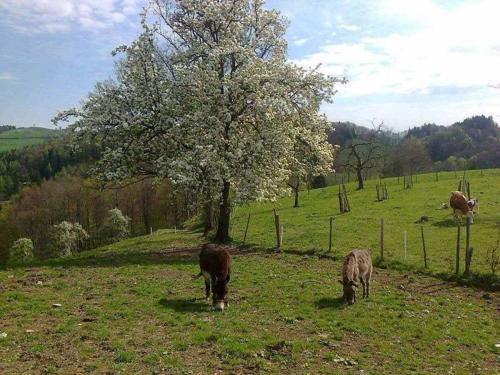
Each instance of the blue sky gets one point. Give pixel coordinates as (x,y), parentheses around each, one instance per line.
(407,62)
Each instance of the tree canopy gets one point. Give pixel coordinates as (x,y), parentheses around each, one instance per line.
(206,98)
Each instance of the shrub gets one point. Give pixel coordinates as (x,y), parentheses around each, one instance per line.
(116,226)
(22,250)
(493,256)
(66,238)
(319,182)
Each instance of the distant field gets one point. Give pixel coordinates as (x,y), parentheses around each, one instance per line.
(306,228)
(18,138)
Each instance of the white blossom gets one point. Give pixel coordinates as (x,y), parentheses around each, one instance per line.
(22,250)
(67,238)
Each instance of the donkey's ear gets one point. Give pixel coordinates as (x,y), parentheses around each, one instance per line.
(340,281)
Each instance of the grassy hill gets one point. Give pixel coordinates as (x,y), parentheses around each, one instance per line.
(307,228)
(21,137)
(134,307)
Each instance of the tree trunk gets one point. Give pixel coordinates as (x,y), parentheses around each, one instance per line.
(296,191)
(360,179)
(222,235)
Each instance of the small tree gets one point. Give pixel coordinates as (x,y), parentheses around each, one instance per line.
(66,238)
(116,226)
(312,156)
(493,255)
(361,153)
(22,250)
(411,156)
(319,182)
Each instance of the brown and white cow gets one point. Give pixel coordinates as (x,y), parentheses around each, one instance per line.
(215,266)
(473,204)
(357,266)
(461,206)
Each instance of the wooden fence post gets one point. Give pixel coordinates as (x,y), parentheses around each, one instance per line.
(467,246)
(378,194)
(382,239)
(469,261)
(457,256)
(423,246)
(246,229)
(281,235)
(341,202)
(331,233)
(347,205)
(277,225)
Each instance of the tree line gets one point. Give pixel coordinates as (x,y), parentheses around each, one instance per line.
(32,165)
(74,199)
(379,152)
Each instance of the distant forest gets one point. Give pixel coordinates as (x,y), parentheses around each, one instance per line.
(470,144)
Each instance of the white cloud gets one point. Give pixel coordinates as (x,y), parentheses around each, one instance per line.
(300,42)
(415,110)
(343,25)
(33,16)
(455,47)
(6,76)
(347,27)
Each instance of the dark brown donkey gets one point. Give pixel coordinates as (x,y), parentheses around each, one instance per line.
(215,265)
(357,265)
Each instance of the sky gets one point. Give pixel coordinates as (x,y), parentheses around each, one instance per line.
(407,62)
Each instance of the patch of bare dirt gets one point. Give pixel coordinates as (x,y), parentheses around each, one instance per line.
(420,284)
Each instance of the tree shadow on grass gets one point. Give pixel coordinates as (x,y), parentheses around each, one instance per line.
(185,305)
(331,303)
(445,223)
(119,259)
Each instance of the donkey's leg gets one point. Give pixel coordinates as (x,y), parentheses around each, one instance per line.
(207,289)
(368,280)
(363,283)
(206,276)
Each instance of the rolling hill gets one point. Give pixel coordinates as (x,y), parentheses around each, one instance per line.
(307,228)
(20,137)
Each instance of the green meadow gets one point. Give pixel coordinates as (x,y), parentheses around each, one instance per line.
(18,138)
(134,306)
(306,229)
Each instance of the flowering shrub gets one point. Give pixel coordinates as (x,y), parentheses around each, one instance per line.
(22,250)
(67,238)
(116,226)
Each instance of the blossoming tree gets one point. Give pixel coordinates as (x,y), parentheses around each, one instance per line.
(206,98)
